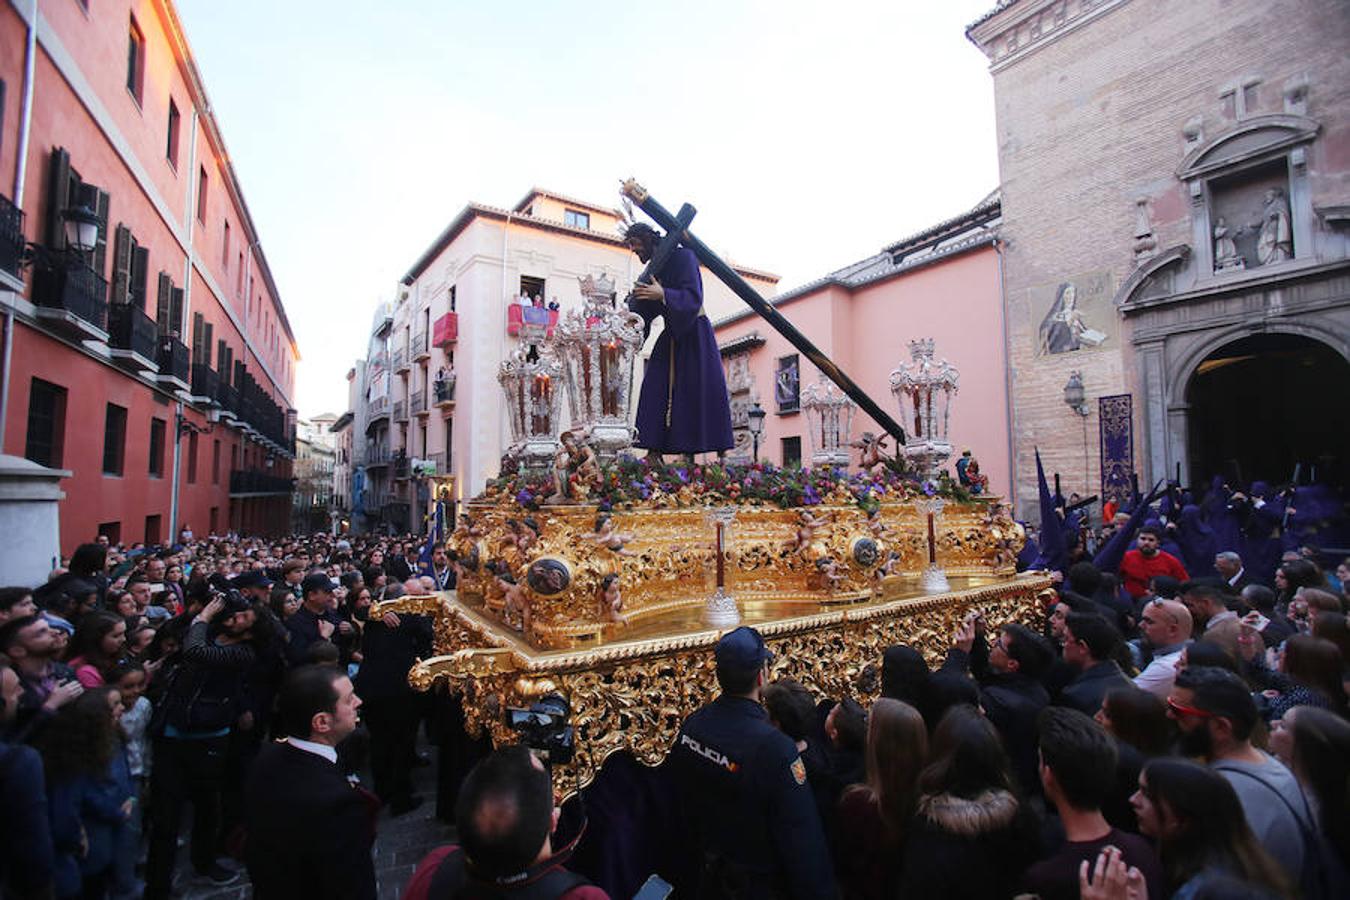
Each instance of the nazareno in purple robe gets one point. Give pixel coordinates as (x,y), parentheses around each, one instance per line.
(683,406)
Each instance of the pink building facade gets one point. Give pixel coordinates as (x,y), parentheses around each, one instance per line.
(158,368)
(942,283)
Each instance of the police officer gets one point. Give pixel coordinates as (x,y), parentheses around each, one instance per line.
(746,803)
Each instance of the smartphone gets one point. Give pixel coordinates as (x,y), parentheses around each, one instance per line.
(654,888)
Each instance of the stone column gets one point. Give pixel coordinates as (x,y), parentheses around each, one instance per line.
(30,520)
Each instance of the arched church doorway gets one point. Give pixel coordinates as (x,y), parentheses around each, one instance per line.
(1265,405)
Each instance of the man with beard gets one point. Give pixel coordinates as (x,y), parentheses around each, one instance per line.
(683,405)
(1147,560)
(1215,714)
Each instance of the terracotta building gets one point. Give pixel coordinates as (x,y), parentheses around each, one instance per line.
(942,283)
(152,359)
(1176,202)
(427,410)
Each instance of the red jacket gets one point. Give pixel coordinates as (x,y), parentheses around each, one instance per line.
(1136,569)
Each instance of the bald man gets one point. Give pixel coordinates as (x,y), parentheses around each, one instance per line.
(1166,625)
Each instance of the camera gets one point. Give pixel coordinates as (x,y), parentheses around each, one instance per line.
(544,728)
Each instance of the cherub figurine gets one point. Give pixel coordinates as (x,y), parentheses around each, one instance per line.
(609,600)
(517,600)
(806,531)
(606,536)
(828,570)
(888,567)
(880,530)
(870,455)
(573,456)
(524,534)
(467,527)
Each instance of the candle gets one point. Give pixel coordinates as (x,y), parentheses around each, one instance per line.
(721,574)
(932,541)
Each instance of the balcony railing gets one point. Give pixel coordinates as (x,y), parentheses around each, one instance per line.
(400,359)
(132,331)
(379,407)
(444,390)
(419,349)
(441,459)
(401,465)
(400,410)
(172,357)
(76,291)
(205,382)
(533,317)
(11,236)
(227,397)
(251,481)
(374,501)
(377,455)
(419,403)
(445,331)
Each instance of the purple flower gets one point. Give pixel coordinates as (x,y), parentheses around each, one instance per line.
(809,496)
(524,497)
(683,475)
(929,488)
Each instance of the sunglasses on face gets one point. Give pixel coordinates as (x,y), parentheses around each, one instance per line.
(1181,710)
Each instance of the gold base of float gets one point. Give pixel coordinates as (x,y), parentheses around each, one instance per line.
(632,676)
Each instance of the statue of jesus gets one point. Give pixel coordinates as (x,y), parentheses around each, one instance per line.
(683,406)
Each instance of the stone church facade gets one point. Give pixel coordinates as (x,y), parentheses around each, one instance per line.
(1175,179)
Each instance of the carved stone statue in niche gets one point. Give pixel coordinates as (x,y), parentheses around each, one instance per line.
(1275,242)
(1226,256)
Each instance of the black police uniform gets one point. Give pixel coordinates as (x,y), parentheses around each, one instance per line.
(748,807)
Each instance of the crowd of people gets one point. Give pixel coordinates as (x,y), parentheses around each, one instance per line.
(138,682)
(1162,735)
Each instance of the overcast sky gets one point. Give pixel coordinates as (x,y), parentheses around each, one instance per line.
(808,134)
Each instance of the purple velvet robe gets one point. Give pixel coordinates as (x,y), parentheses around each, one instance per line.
(683,406)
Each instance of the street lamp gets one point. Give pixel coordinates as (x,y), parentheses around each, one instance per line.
(755,422)
(1074,395)
(81,226)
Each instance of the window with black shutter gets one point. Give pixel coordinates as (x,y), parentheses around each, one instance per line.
(206,343)
(201,195)
(175,312)
(140,271)
(171,148)
(114,439)
(45,440)
(157,430)
(135,60)
(164,302)
(66,189)
(119,286)
(215,465)
(198,327)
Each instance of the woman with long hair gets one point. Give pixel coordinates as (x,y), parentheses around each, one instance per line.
(79,747)
(1319,757)
(874,816)
(1292,575)
(1308,673)
(99,641)
(1202,833)
(971,836)
(1137,720)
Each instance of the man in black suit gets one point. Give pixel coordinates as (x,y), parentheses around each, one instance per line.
(310,832)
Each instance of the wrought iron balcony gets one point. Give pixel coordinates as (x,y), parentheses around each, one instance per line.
(419,403)
(400,410)
(400,360)
(11,236)
(174,364)
(132,336)
(227,398)
(205,383)
(377,455)
(378,408)
(420,349)
(444,390)
(445,331)
(250,482)
(72,299)
(402,465)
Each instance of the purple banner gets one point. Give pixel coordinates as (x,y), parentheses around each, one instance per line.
(1116,418)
